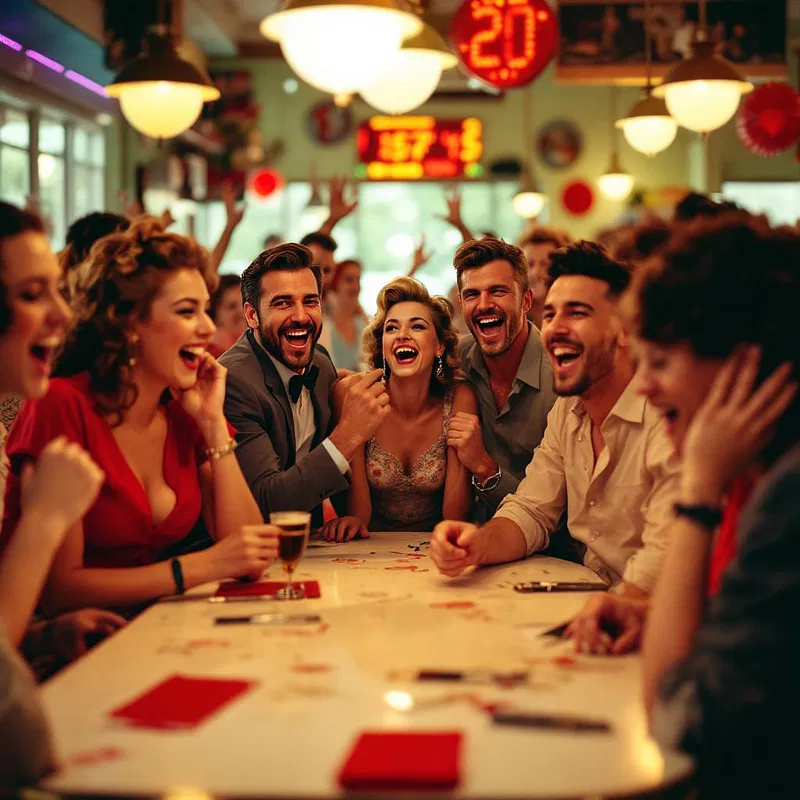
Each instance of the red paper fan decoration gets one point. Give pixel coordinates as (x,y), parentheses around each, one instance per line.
(769,120)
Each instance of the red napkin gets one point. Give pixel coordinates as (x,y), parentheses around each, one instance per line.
(265,588)
(403,760)
(181,701)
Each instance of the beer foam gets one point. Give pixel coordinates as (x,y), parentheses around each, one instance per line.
(290,518)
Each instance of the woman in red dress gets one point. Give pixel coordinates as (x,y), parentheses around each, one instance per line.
(139,392)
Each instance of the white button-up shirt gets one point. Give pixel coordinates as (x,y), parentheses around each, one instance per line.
(621,506)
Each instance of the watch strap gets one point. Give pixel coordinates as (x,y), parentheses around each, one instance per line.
(708,517)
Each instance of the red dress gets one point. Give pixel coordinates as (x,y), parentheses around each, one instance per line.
(725,546)
(118,530)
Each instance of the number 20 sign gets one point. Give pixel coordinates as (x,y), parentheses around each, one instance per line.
(505,43)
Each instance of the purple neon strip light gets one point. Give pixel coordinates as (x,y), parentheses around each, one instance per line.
(82,80)
(48,62)
(75,77)
(10,43)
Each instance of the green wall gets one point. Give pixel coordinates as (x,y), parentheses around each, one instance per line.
(685,163)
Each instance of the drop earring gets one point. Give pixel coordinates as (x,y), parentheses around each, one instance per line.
(132,342)
(439,369)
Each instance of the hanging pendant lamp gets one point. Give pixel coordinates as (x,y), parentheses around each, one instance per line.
(528,202)
(649,128)
(341,46)
(160,93)
(616,182)
(415,73)
(703,92)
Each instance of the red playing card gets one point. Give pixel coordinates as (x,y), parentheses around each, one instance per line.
(403,760)
(265,588)
(181,701)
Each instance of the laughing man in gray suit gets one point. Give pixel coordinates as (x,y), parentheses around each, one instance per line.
(278,391)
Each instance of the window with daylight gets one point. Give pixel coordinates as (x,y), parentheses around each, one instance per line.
(59,158)
(382,233)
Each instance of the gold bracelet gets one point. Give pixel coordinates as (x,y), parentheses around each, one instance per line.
(216,453)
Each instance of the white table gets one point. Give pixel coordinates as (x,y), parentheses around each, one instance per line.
(320,685)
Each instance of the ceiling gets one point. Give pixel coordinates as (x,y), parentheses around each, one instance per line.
(245,16)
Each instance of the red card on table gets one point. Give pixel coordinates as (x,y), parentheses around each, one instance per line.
(181,701)
(265,588)
(403,760)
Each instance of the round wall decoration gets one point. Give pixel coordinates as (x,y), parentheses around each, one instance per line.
(769,120)
(577,198)
(327,124)
(559,144)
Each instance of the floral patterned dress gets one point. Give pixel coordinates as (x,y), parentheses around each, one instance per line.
(408,501)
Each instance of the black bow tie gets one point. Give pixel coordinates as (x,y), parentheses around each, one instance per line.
(307,379)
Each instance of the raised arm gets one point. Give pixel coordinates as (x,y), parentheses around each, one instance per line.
(458,497)
(233,216)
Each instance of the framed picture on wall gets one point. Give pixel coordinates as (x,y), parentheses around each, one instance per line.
(604,42)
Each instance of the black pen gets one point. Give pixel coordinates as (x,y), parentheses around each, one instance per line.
(560,722)
(270,619)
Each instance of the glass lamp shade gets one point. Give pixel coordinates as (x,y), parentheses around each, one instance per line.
(340,46)
(414,74)
(160,93)
(528,204)
(615,184)
(161,109)
(703,92)
(649,128)
(703,106)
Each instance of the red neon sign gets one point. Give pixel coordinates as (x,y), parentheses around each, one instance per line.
(419,148)
(505,43)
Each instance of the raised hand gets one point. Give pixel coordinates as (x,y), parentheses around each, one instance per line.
(452,197)
(464,436)
(364,408)
(421,258)
(204,401)
(233,213)
(732,426)
(344,529)
(455,546)
(339,208)
(61,487)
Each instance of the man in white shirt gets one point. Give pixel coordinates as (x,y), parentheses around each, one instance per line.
(605,457)
(278,390)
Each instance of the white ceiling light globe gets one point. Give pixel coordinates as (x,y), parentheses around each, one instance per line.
(412,79)
(616,185)
(650,135)
(703,106)
(340,49)
(528,204)
(161,109)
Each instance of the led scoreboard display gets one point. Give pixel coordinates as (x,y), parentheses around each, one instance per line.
(505,43)
(419,148)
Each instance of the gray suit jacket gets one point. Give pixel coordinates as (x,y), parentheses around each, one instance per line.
(256,405)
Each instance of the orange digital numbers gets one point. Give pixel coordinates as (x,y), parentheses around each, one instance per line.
(505,43)
(415,148)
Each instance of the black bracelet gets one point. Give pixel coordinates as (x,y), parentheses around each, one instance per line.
(177,574)
(708,517)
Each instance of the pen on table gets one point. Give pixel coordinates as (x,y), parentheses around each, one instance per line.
(270,619)
(561,722)
(213,598)
(483,676)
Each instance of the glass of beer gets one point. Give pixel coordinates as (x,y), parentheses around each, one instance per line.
(293,529)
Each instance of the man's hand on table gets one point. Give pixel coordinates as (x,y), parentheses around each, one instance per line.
(609,624)
(343,530)
(456,546)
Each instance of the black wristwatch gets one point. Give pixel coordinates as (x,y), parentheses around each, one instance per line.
(708,517)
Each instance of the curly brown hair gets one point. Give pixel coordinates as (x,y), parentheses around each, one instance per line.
(721,283)
(116,285)
(410,290)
